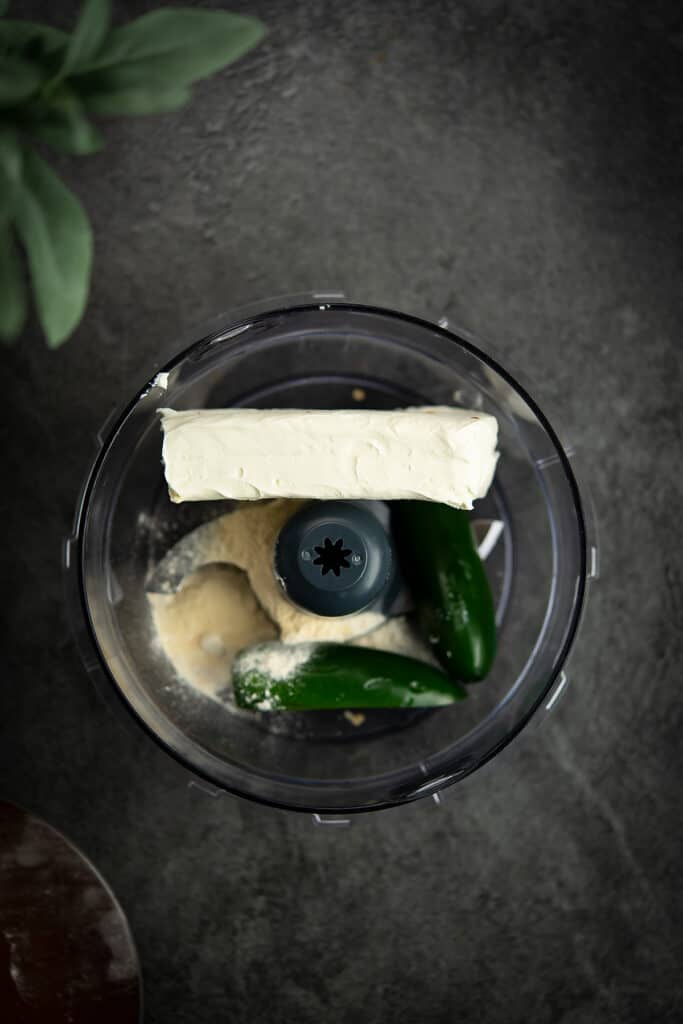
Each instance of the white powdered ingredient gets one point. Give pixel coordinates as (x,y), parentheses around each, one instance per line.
(201,628)
(268,664)
(278,661)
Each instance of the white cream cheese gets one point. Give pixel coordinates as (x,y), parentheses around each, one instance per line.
(433,453)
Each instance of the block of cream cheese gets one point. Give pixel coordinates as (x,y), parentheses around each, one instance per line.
(433,453)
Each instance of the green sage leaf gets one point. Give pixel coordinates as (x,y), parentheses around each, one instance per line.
(60,120)
(136,101)
(13,300)
(19,79)
(29,38)
(11,162)
(176,46)
(69,131)
(88,36)
(54,229)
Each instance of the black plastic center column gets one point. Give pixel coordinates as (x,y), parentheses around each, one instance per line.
(334,558)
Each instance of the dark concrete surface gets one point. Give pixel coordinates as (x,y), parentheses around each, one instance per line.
(517,167)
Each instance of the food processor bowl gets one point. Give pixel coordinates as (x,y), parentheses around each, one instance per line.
(330,354)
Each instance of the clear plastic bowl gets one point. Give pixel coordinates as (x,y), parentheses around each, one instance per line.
(317,355)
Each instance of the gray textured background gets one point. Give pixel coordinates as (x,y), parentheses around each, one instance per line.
(517,167)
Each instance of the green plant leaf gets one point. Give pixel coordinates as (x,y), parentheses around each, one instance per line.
(60,120)
(13,301)
(136,101)
(19,79)
(24,36)
(54,229)
(68,131)
(11,162)
(88,36)
(175,46)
